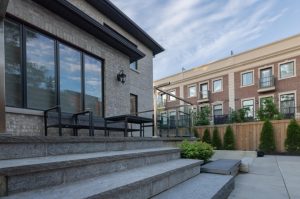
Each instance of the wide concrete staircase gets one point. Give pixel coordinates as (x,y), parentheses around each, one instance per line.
(35,167)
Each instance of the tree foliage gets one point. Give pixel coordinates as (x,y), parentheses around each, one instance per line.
(268,111)
(292,142)
(206,136)
(216,140)
(196,150)
(202,117)
(267,140)
(229,140)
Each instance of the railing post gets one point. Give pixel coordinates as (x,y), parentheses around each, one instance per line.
(2,72)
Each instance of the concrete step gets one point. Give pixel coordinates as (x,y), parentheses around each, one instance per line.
(139,183)
(222,166)
(204,185)
(12,147)
(33,173)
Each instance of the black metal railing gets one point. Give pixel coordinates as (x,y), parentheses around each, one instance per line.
(266,82)
(204,95)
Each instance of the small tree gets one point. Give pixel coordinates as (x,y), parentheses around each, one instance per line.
(267,141)
(202,117)
(268,110)
(206,136)
(239,115)
(292,141)
(229,141)
(216,140)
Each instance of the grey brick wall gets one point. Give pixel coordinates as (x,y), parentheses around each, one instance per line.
(117,96)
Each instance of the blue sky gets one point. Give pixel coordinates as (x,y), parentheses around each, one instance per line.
(196,32)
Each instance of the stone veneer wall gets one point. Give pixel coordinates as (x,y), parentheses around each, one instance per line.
(117,96)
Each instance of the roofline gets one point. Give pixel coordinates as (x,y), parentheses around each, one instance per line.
(80,19)
(116,15)
(235,55)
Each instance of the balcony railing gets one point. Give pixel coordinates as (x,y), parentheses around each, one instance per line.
(204,96)
(267,83)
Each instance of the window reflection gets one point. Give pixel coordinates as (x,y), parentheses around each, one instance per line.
(13,79)
(40,67)
(70,79)
(93,86)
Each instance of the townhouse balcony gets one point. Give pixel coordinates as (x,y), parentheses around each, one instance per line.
(266,84)
(204,96)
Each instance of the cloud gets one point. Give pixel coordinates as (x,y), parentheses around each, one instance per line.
(195,32)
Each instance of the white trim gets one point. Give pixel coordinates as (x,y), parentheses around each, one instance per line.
(264,67)
(284,62)
(288,92)
(188,91)
(241,77)
(217,103)
(265,96)
(247,99)
(220,78)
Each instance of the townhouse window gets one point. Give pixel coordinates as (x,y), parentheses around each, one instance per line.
(287,103)
(204,91)
(164,118)
(42,72)
(192,91)
(249,106)
(133,104)
(134,65)
(262,101)
(266,77)
(217,109)
(247,78)
(217,85)
(286,70)
(171,98)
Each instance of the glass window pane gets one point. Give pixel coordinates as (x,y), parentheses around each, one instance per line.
(247,79)
(204,91)
(93,85)
(287,103)
(287,70)
(218,109)
(134,65)
(70,79)
(171,97)
(192,91)
(40,70)
(217,84)
(249,104)
(13,78)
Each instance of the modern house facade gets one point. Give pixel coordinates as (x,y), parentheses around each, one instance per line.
(69,53)
(243,80)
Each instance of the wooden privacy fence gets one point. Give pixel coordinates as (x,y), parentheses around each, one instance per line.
(247,135)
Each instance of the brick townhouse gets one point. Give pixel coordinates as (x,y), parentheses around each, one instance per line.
(242,80)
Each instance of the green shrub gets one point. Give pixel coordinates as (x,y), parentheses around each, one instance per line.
(267,140)
(202,117)
(216,140)
(196,150)
(229,141)
(292,142)
(239,115)
(268,111)
(206,136)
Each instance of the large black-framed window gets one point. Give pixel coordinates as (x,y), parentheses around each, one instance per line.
(42,70)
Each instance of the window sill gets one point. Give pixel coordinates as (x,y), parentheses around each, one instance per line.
(23,111)
(286,77)
(138,72)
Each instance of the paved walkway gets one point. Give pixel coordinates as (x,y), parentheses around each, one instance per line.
(274,177)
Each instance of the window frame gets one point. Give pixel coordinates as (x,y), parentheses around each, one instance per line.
(286,93)
(201,83)
(285,62)
(248,99)
(213,86)
(25,25)
(264,96)
(170,98)
(188,90)
(136,102)
(215,104)
(136,64)
(241,76)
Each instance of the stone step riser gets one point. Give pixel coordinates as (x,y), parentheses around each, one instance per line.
(27,150)
(59,174)
(152,186)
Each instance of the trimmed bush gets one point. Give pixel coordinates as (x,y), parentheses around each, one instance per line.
(216,140)
(267,140)
(196,150)
(206,136)
(229,141)
(292,141)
